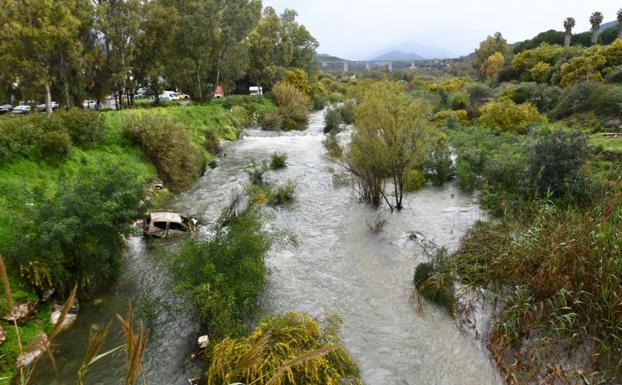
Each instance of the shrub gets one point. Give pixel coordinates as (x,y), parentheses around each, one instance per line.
(18,138)
(451,119)
(275,343)
(318,103)
(271,121)
(415,180)
(440,165)
(333,148)
(555,162)
(459,100)
(212,143)
(85,127)
(466,177)
(256,171)
(225,274)
(168,145)
(347,112)
(332,121)
(434,280)
(54,145)
(76,235)
(293,106)
(282,195)
(506,115)
(278,161)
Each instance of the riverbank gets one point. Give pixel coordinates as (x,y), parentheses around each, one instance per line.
(31,180)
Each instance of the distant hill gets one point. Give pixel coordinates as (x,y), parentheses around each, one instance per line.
(398,55)
(324,58)
(606,26)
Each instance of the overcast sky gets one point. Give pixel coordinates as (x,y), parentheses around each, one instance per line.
(356,29)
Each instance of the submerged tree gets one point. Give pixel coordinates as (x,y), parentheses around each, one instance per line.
(391,137)
(596,19)
(569,24)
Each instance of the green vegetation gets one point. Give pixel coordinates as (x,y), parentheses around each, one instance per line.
(293,106)
(288,349)
(278,161)
(333,120)
(224,275)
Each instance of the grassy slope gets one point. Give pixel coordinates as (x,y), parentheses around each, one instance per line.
(22,177)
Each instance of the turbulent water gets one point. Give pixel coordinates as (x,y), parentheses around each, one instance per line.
(336,266)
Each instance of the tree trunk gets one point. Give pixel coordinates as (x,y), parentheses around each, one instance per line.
(567,39)
(48,98)
(595,34)
(67,97)
(620,30)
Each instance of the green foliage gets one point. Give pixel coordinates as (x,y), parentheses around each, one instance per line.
(490,46)
(293,106)
(225,274)
(346,110)
(415,180)
(256,171)
(54,145)
(556,159)
(555,279)
(169,146)
(333,148)
(506,115)
(282,195)
(550,37)
(440,165)
(434,279)
(333,121)
(275,342)
(278,161)
(74,240)
(602,99)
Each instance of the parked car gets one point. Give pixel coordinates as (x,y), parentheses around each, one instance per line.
(167,96)
(255,90)
(165,224)
(5,108)
(183,96)
(90,104)
(22,109)
(41,107)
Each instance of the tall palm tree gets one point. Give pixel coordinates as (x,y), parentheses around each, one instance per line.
(596,19)
(620,23)
(569,24)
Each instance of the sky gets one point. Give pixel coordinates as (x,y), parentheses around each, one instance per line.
(360,29)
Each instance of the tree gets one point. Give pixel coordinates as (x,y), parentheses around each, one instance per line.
(596,19)
(619,23)
(492,66)
(489,47)
(37,38)
(506,115)
(392,136)
(278,44)
(569,24)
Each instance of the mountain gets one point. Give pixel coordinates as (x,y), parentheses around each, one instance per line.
(409,46)
(606,26)
(398,55)
(324,58)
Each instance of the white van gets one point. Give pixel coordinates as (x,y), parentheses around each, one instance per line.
(167,96)
(255,90)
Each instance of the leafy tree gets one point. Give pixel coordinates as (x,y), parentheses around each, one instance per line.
(586,67)
(392,136)
(278,44)
(550,37)
(36,37)
(619,17)
(569,24)
(595,20)
(492,67)
(489,47)
(293,106)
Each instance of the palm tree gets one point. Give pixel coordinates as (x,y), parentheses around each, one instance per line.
(620,23)
(596,19)
(569,24)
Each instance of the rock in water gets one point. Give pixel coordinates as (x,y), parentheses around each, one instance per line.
(203,342)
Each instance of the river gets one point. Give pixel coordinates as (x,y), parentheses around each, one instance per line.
(336,266)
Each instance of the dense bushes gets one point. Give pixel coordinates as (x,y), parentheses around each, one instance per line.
(557,280)
(293,106)
(75,235)
(49,137)
(225,274)
(169,146)
(293,347)
(505,115)
(599,98)
(433,278)
(332,120)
